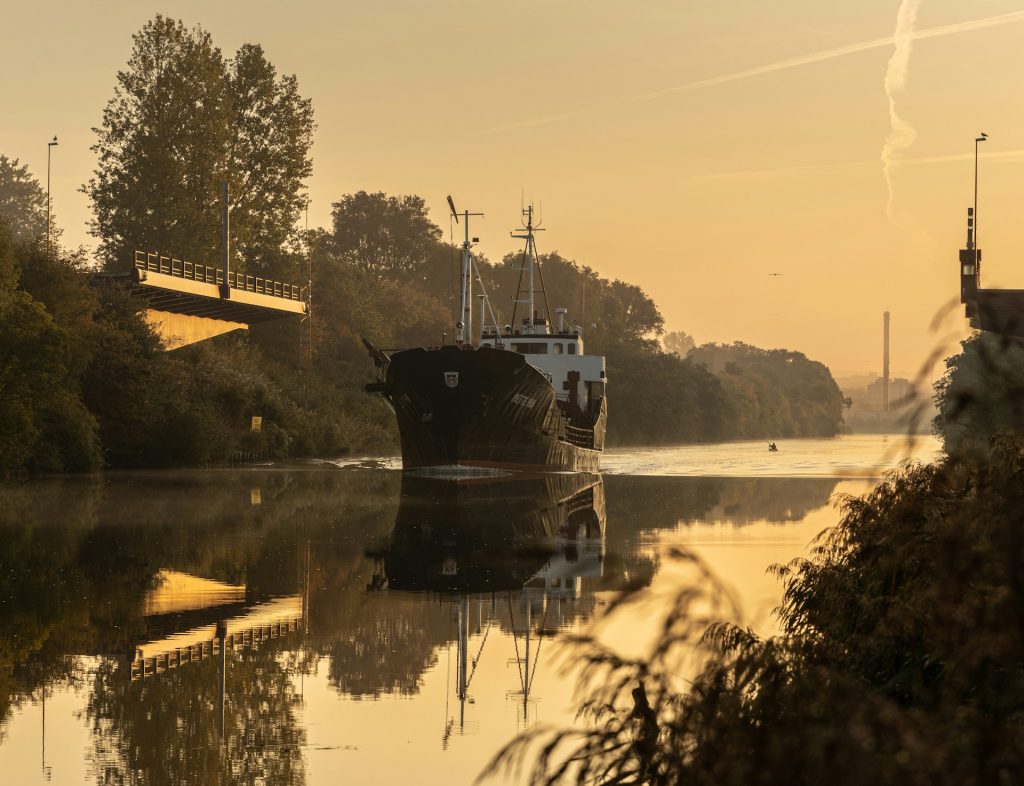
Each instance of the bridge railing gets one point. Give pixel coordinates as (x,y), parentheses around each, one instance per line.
(143,667)
(179,268)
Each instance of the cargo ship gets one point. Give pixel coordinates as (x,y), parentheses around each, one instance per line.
(525,397)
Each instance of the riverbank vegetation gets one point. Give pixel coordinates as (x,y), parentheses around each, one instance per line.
(85,382)
(898,657)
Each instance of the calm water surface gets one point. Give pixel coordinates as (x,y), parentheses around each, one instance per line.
(340,623)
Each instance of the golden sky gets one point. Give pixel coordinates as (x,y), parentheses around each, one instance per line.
(692,147)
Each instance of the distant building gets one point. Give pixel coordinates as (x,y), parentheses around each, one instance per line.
(901,393)
(906,404)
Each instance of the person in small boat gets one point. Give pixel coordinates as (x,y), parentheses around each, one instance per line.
(772,447)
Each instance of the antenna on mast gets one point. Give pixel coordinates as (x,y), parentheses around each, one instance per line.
(530,261)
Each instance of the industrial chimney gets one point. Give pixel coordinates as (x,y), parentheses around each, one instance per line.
(885,362)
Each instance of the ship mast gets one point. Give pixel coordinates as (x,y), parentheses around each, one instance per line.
(464,327)
(530,265)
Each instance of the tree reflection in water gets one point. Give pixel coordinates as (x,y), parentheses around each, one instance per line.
(166,730)
(389,573)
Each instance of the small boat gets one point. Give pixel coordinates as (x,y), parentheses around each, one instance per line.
(524,397)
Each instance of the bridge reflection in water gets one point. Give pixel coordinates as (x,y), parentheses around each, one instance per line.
(261,623)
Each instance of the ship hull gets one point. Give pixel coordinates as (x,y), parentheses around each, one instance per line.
(484,408)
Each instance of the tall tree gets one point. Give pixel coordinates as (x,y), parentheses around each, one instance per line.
(161,148)
(22,201)
(181,121)
(268,158)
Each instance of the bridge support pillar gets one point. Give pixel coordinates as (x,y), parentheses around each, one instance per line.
(180,330)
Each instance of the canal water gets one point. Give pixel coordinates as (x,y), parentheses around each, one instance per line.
(338,622)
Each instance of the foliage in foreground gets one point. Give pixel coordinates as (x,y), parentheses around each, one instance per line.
(899,657)
(981,394)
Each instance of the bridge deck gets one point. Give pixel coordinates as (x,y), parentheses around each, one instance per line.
(181,287)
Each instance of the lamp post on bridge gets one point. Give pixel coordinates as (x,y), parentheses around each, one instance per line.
(49,150)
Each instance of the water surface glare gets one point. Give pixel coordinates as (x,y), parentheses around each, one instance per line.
(847,456)
(322,624)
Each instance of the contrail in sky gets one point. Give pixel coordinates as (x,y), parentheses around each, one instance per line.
(901,133)
(539,121)
(792,62)
(842,51)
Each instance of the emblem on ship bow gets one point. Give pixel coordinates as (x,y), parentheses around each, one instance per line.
(451,379)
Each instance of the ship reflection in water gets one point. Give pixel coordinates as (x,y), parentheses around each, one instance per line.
(519,545)
(286,626)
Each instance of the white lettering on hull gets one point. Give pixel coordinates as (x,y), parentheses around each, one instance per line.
(523,401)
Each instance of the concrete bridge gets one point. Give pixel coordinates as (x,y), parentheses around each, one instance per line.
(189,302)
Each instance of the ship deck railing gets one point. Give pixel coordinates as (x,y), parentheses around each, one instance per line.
(582,501)
(580,437)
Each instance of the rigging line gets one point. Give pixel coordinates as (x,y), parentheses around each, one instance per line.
(540,643)
(519,290)
(583,310)
(543,289)
(487,299)
(479,652)
(515,643)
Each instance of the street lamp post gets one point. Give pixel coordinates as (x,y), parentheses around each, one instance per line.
(49,149)
(977,141)
(309,285)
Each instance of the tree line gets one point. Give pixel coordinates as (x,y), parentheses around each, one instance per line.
(84,382)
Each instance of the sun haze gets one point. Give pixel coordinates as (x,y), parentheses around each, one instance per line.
(694,149)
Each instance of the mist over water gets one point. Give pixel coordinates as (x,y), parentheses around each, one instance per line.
(286,625)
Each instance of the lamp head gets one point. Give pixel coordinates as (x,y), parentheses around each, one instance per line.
(53,143)
(982,138)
